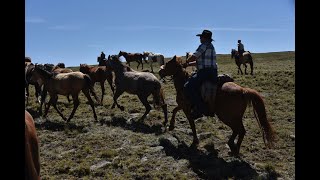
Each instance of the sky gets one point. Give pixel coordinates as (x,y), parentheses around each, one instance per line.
(76,31)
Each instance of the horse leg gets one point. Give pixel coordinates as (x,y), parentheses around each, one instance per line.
(27,93)
(38,93)
(103,92)
(75,106)
(144,100)
(151,66)
(87,94)
(231,144)
(172,121)
(195,141)
(239,69)
(115,97)
(242,132)
(54,104)
(245,69)
(68,97)
(141,63)
(251,67)
(110,81)
(165,112)
(43,99)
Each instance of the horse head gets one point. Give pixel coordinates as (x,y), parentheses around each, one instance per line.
(84,68)
(122,53)
(233,53)
(170,67)
(61,65)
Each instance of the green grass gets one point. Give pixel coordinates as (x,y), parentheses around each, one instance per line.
(133,148)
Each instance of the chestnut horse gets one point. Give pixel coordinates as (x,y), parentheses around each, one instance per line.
(142,84)
(138,57)
(231,103)
(65,84)
(98,74)
(31,149)
(246,58)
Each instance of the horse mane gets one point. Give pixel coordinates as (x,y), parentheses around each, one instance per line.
(27,59)
(43,72)
(61,65)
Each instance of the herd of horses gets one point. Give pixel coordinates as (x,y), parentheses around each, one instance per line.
(231,98)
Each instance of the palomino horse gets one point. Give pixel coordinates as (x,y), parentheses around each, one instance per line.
(153,57)
(132,57)
(98,74)
(246,58)
(142,84)
(31,149)
(65,84)
(231,103)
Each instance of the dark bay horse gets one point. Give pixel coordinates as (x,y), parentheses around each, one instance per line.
(31,149)
(65,84)
(231,103)
(130,57)
(246,58)
(101,62)
(142,84)
(29,69)
(98,74)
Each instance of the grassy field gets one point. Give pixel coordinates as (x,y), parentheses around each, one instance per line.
(120,147)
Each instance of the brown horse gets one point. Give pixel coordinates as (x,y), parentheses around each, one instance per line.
(65,84)
(98,74)
(138,57)
(31,149)
(59,68)
(231,103)
(246,58)
(142,84)
(101,62)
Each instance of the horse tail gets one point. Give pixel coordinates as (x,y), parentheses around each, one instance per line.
(158,95)
(90,85)
(260,114)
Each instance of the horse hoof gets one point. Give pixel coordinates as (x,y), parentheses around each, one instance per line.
(171,127)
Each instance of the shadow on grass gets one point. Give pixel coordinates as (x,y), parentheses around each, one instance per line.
(58,126)
(209,165)
(135,126)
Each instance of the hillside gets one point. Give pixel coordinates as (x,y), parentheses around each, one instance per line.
(119,146)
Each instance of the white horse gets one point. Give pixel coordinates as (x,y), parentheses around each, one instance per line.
(153,57)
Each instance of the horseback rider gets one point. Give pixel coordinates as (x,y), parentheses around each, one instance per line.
(204,58)
(102,56)
(240,48)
